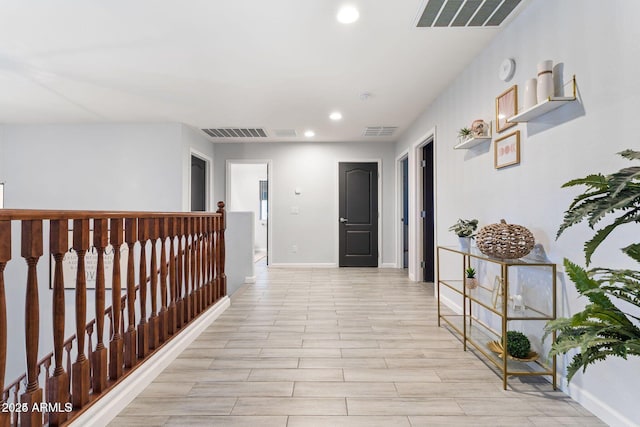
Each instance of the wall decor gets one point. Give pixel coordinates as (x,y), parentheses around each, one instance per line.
(506,107)
(70,265)
(507,150)
(545,89)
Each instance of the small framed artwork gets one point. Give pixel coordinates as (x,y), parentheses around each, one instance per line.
(497,292)
(506,107)
(507,150)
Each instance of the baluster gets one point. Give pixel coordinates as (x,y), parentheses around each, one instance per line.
(173,227)
(5,256)
(187,270)
(115,346)
(99,356)
(154,320)
(32,251)
(221,249)
(58,387)
(180,272)
(216,284)
(130,236)
(143,326)
(164,318)
(196,264)
(205,263)
(214,258)
(80,369)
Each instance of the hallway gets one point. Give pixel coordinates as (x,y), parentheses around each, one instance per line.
(339,347)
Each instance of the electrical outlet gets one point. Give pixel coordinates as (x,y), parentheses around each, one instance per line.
(294,248)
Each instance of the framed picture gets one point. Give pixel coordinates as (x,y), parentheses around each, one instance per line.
(497,292)
(506,107)
(507,150)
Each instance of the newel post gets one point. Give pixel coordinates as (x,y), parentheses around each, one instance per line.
(5,256)
(32,251)
(223,226)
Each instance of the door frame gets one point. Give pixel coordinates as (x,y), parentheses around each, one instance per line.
(399,210)
(416,235)
(336,207)
(270,195)
(208,161)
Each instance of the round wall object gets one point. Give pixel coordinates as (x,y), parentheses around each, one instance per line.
(507,69)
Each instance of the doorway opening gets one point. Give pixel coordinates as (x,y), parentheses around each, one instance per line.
(200,183)
(248,190)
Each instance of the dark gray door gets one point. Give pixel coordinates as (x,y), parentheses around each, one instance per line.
(198,184)
(405,213)
(358,210)
(428,212)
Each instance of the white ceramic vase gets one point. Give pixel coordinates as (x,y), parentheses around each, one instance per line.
(465,244)
(545,81)
(530,93)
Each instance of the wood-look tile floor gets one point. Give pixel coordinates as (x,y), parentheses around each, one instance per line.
(339,347)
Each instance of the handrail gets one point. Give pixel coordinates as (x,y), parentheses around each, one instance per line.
(184,255)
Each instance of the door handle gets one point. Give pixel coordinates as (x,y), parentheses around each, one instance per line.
(343,220)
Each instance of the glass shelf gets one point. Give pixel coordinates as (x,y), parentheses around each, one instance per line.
(533,278)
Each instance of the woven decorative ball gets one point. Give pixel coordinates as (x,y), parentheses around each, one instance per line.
(506,241)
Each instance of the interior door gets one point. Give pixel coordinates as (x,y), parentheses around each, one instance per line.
(358,210)
(428,212)
(405,213)
(198,184)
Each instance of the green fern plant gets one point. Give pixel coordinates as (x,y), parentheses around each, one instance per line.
(602,329)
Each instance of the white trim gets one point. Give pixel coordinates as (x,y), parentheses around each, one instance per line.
(388,265)
(596,406)
(208,178)
(107,408)
(303,265)
(415,199)
(336,206)
(270,199)
(250,279)
(398,211)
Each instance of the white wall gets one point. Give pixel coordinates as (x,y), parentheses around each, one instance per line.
(244,187)
(311,166)
(239,266)
(597,41)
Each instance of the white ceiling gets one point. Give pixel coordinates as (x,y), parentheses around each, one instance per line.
(275,64)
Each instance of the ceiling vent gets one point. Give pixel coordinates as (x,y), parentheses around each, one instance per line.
(466,13)
(285,133)
(379,130)
(236,133)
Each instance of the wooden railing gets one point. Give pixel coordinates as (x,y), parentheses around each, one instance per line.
(173,288)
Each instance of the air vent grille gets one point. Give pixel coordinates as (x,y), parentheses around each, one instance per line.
(285,133)
(235,132)
(379,130)
(466,13)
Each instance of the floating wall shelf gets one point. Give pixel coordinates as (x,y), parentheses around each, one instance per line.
(471,142)
(544,107)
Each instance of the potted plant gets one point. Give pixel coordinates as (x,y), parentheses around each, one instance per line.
(470,280)
(518,345)
(602,329)
(464,229)
(464,134)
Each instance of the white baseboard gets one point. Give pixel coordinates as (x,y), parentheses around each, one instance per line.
(303,265)
(250,279)
(106,409)
(590,402)
(388,265)
(457,308)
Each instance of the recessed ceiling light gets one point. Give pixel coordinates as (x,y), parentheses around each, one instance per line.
(348,15)
(336,115)
(309,133)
